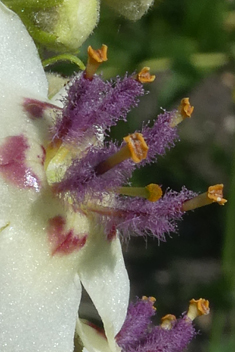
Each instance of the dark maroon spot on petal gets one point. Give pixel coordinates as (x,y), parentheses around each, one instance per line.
(112,233)
(36,108)
(13,163)
(63,241)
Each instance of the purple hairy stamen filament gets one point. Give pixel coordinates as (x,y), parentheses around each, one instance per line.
(138,215)
(95,102)
(121,213)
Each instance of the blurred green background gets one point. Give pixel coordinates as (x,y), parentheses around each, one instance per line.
(190,46)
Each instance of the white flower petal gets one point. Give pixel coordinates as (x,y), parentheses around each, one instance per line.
(20,66)
(39,292)
(104,276)
(21,76)
(92,339)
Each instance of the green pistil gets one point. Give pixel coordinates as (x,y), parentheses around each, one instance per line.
(135,149)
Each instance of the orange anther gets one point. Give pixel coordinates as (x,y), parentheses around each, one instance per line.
(215,193)
(151,299)
(95,58)
(185,109)
(198,307)
(168,321)
(137,147)
(99,55)
(144,76)
(155,192)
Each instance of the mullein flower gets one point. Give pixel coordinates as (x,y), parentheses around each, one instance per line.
(47,246)
(66,198)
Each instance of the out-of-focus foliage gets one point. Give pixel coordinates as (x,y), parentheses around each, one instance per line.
(171,30)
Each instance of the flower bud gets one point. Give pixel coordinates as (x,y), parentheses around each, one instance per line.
(131,9)
(60,25)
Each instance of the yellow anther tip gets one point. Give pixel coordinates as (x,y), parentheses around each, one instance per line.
(167,321)
(99,55)
(144,76)
(198,307)
(137,147)
(169,317)
(215,193)
(185,108)
(151,300)
(155,192)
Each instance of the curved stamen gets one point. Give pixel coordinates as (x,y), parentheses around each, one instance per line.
(213,194)
(184,111)
(197,308)
(135,149)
